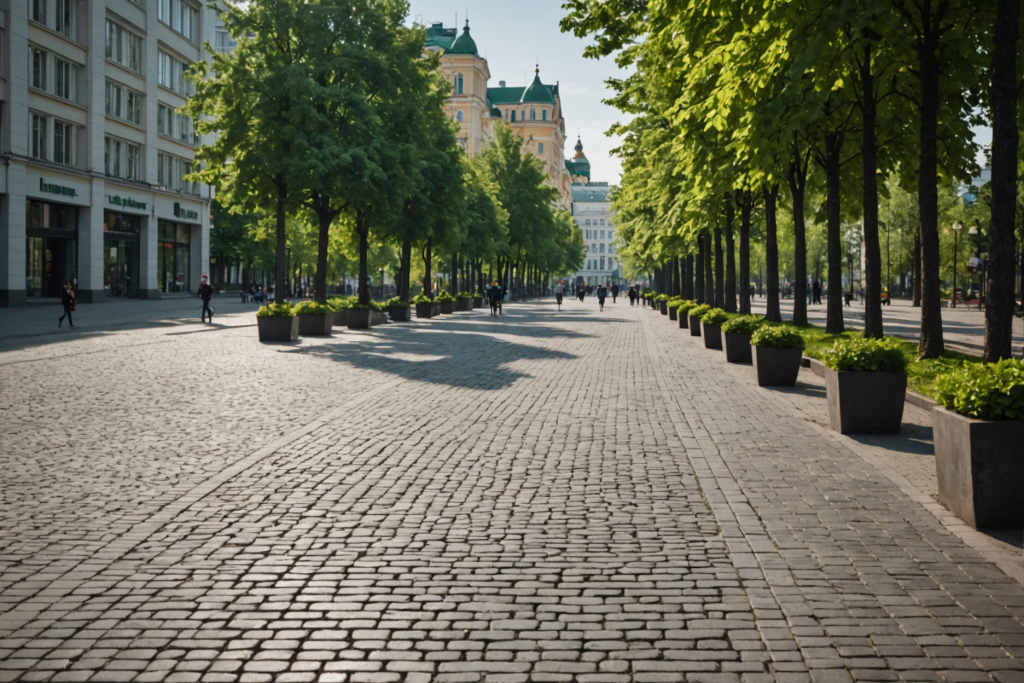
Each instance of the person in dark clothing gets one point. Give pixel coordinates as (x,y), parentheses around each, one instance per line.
(816,292)
(206,293)
(581,293)
(615,292)
(602,293)
(632,295)
(494,295)
(67,300)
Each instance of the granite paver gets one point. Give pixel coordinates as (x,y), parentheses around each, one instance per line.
(546,496)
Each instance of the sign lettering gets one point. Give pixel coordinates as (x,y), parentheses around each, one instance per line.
(53,188)
(126,202)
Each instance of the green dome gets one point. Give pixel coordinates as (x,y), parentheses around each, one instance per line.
(537,92)
(464,44)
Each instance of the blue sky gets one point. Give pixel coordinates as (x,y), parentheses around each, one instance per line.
(513,36)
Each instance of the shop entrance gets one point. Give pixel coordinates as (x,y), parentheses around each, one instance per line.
(120,268)
(50,263)
(172,257)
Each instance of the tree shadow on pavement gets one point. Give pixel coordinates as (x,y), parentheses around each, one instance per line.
(456,359)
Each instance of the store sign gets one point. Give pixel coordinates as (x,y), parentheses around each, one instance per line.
(126,202)
(54,188)
(182,212)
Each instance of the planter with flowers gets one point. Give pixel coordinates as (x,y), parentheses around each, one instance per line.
(277,322)
(866,384)
(776,351)
(736,337)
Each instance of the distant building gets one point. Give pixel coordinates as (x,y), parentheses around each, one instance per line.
(592,211)
(534,112)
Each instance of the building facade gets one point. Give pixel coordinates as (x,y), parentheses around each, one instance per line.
(534,111)
(592,211)
(95,150)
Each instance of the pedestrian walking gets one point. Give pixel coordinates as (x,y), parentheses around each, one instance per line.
(206,293)
(602,294)
(559,291)
(68,301)
(632,295)
(581,293)
(494,294)
(615,292)
(816,291)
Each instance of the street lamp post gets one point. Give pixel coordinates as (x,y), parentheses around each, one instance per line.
(975,231)
(957,227)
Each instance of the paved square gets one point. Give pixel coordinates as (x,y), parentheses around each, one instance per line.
(573,496)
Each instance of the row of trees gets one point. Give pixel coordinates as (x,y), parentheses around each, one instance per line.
(332,114)
(745,109)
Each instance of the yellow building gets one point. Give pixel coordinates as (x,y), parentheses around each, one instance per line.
(534,112)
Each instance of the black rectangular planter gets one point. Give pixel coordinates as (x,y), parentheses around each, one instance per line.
(712,335)
(463,305)
(399,314)
(694,326)
(341,318)
(776,367)
(377,318)
(684,320)
(447,307)
(673,314)
(980,469)
(478,302)
(278,329)
(424,310)
(315,324)
(865,402)
(359,318)
(663,307)
(736,347)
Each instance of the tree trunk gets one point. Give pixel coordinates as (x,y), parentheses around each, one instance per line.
(709,270)
(771,250)
(364,248)
(1005,139)
(454,282)
(281,287)
(428,257)
(324,220)
(915,286)
(406,259)
(730,259)
(700,271)
(744,253)
(834,321)
(931,344)
(797,187)
(688,277)
(869,180)
(719,270)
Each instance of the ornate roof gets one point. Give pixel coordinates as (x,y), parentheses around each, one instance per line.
(464,44)
(537,92)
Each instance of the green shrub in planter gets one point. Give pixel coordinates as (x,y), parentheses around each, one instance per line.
(866,355)
(463,295)
(312,308)
(339,304)
(985,391)
(777,337)
(662,297)
(422,299)
(369,306)
(714,316)
(698,311)
(674,302)
(685,306)
(397,302)
(444,296)
(742,324)
(276,310)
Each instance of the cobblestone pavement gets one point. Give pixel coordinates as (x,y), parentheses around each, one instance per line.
(574,496)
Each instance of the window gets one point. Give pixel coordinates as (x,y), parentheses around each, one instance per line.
(602,263)
(170,170)
(533,114)
(602,234)
(458,84)
(164,120)
(186,130)
(38,13)
(224,42)
(602,248)
(180,16)
(37,137)
(64,143)
(65,24)
(65,79)
(513,117)
(123,47)
(171,74)
(123,104)
(587,222)
(38,60)
(543,114)
(122,159)
(602,221)
(593,248)
(459,116)
(540,148)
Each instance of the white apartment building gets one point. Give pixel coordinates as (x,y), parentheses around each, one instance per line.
(95,151)
(592,211)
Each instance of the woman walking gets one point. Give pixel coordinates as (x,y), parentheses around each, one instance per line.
(602,294)
(67,300)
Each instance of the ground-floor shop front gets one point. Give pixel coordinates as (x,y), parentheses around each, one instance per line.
(110,240)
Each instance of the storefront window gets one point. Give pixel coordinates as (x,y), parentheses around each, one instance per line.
(121,222)
(121,254)
(51,247)
(172,256)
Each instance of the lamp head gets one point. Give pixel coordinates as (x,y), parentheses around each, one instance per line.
(973,230)
(958,226)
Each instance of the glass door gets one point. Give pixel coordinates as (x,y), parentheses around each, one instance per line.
(120,268)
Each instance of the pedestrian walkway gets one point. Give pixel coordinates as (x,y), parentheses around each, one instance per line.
(544,496)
